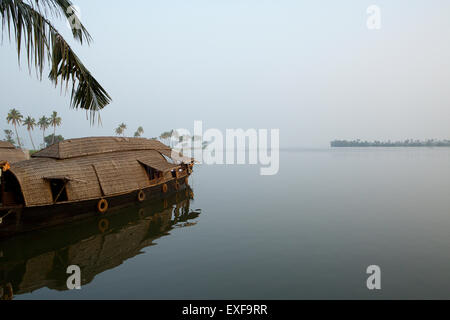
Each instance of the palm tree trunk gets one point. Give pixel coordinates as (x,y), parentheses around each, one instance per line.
(54,132)
(17,135)
(43,136)
(31,138)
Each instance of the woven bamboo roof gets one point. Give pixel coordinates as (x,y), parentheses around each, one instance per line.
(74,148)
(158,165)
(13,155)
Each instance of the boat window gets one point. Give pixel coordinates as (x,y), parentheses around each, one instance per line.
(152,173)
(59,192)
(174,173)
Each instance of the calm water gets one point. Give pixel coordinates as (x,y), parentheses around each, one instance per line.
(309,232)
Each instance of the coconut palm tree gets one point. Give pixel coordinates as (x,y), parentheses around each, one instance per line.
(165,137)
(120,130)
(123,127)
(43,124)
(139,132)
(31,27)
(55,121)
(15,118)
(30,123)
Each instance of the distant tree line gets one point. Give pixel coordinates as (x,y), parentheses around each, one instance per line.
(167,137)
(406,143)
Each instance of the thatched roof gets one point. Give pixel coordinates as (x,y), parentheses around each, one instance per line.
(92,168)
(151,161)
(9,153)
(98,145)
(6,145)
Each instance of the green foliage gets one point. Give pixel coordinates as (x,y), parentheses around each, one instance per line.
(406,143)
(30,123)
(120,130)
(166,136)
(9,136)
(51,139)
(55,121)
(14,117)
(29,23)
(139,132)
(44,123)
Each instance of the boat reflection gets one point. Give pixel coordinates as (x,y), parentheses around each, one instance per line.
(40,259)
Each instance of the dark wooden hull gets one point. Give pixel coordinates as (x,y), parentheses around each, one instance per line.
(28,219)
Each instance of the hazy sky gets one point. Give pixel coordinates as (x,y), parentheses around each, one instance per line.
(310,68)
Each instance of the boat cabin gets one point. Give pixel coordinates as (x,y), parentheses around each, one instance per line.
(90,168)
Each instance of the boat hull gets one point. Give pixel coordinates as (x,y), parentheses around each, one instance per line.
(26,219)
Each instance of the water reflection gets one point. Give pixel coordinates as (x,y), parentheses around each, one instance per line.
(40,259)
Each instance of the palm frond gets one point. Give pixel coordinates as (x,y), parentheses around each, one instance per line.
(66,9)
(44,43)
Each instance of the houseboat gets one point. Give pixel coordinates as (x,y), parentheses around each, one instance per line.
(76,178)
